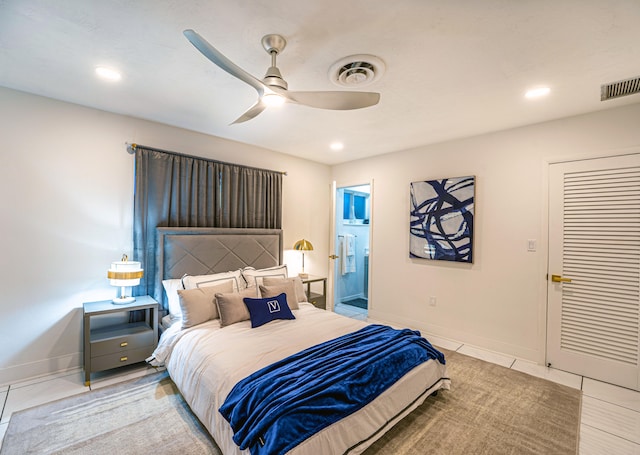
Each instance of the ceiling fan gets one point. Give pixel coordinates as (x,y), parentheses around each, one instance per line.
(273,89)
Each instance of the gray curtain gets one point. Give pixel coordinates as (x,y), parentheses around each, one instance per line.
(174,190)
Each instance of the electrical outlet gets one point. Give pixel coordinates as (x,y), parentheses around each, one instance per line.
(432,301)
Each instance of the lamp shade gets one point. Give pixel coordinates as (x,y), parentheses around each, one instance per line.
(122,274)
(303,245)
(125,273)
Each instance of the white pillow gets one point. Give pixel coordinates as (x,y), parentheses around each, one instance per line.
(171,288)
(254,277)
(198,281)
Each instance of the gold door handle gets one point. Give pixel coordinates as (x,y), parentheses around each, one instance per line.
(559,279)
(333,256)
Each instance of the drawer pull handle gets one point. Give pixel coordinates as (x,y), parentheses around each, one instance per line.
(124,359)
(123,344)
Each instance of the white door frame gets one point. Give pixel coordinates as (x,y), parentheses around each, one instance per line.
(332,248)
(331,275)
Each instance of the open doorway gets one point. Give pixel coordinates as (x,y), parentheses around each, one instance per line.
(351,268)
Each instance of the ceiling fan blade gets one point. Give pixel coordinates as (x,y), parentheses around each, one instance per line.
(335,100)
(223,62)
(252,112)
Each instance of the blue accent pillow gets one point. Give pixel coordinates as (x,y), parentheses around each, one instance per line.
(268,309)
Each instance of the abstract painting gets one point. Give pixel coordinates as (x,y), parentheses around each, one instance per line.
(441,219)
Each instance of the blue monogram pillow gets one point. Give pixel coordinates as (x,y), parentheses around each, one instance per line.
(268,309)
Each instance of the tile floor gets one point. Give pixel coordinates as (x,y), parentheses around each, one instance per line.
(351,311)
(610,415)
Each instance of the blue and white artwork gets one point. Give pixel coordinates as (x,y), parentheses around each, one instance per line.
(442,219)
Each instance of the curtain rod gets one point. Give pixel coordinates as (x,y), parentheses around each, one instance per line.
(131,149)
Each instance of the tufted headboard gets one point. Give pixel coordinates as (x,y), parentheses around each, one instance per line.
(202,251)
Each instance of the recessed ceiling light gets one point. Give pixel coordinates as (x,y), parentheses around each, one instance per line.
(336,146)
(537,92)
(108,73)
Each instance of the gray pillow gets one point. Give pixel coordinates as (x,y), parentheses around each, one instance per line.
(198,305)
(231,307)
(297,282)
(287,287)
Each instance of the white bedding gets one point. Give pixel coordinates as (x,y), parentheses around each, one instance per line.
(206,361)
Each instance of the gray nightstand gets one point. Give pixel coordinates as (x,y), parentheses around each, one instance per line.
(317,298)
(118,344)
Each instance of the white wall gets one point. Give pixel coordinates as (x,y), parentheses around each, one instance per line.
(66,202)
(66,186)
(498,302)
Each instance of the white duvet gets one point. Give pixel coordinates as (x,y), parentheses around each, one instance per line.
(206,361)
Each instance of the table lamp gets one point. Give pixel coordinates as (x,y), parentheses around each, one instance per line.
(124,273)
(303,245)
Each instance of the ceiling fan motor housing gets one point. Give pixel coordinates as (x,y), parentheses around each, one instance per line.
(274,77)
(274,44)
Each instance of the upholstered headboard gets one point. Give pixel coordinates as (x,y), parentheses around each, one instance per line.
(202,251)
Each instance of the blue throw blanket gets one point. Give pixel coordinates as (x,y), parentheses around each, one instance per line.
(279,406)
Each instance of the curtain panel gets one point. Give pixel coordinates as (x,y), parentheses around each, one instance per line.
(174,190)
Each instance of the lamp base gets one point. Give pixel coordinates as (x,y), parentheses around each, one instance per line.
(123,300)
(303,275)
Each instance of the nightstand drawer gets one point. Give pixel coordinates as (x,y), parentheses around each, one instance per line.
(119,339)
(106,362)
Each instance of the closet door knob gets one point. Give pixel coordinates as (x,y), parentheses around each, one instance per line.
(333,256)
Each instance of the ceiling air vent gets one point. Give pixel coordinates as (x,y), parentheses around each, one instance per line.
(356,70)
(620,88)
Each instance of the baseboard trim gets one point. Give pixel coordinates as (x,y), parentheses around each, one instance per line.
(460,337)
(44,367)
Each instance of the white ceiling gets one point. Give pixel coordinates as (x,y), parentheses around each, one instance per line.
(454,68)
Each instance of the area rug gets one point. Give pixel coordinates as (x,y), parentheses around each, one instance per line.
(357,302)
(141,416)
(489,410)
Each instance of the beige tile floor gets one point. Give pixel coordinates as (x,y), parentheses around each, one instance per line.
(610,421)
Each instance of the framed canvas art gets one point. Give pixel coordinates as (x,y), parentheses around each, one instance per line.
(441,219)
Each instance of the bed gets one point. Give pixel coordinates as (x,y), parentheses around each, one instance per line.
(208,360)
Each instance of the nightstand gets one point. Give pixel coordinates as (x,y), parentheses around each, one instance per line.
(119,343)
(313,296)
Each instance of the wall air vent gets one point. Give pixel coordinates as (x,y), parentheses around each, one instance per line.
(620,88)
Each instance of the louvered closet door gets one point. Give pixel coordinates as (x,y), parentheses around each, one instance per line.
(594,241)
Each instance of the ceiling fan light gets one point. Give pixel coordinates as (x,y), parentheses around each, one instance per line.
(273,99)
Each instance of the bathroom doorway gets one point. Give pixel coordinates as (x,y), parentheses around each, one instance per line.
(351,243)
